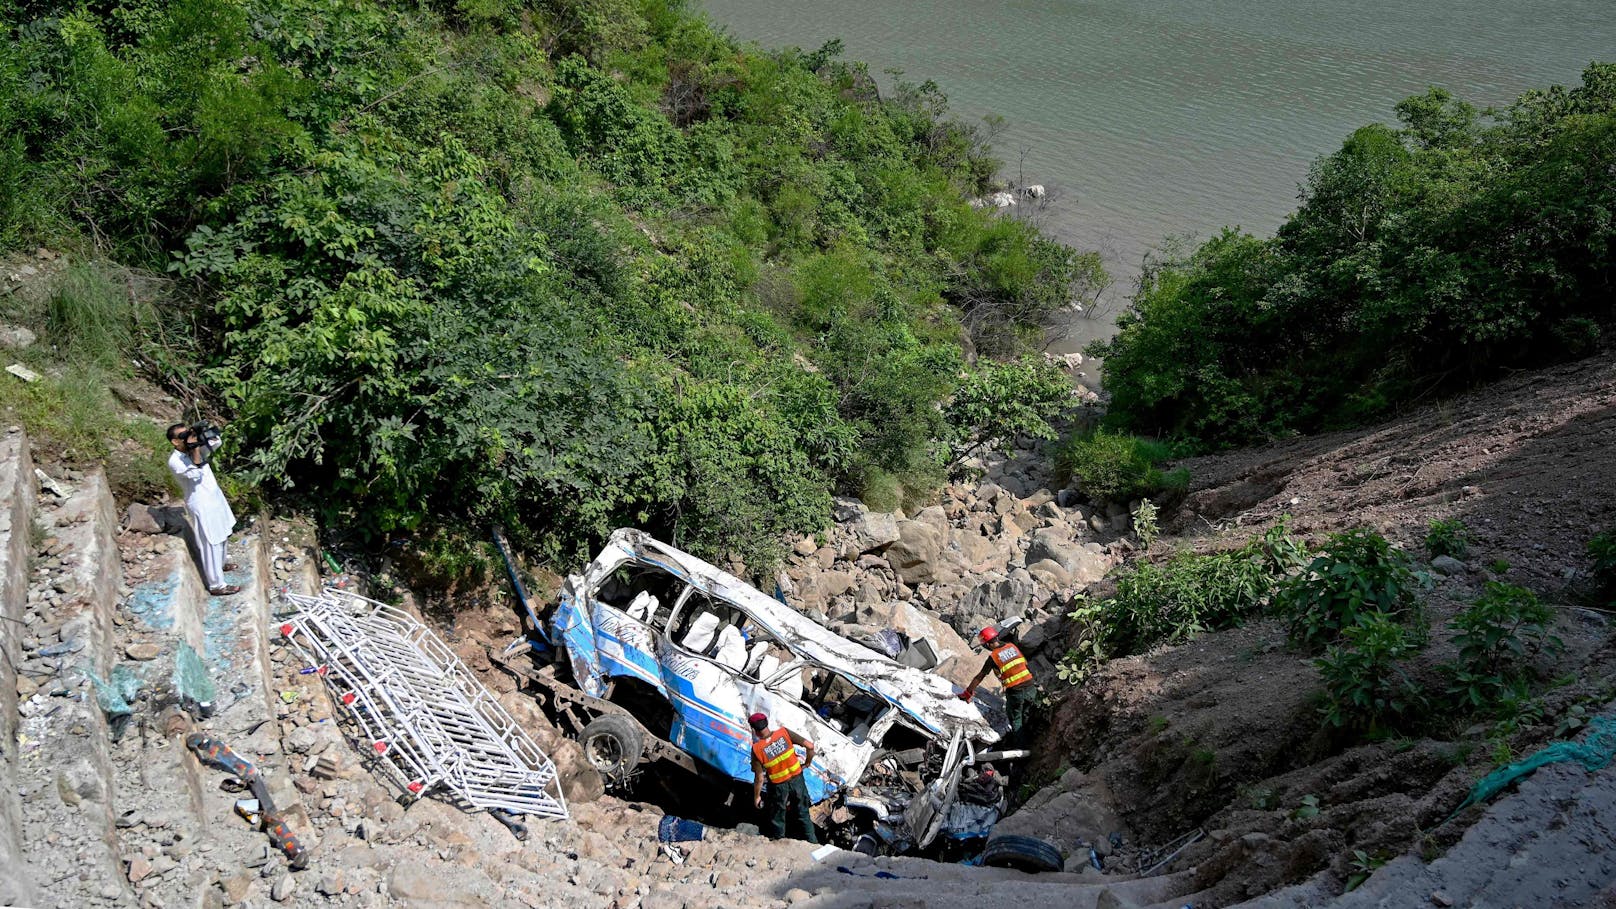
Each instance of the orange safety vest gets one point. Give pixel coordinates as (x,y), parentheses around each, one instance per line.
(777,756)
(1011,666)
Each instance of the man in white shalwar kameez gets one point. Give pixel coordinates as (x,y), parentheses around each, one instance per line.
(205,501)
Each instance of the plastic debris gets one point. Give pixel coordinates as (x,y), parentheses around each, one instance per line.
(249,811)
(679,830)
(1594,752)
(215,753)
(191,680)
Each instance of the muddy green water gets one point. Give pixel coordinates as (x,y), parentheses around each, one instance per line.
(1156,118)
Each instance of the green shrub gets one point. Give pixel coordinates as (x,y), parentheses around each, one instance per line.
(1496,637)
(1110,467)
(567,267)
(1173,602)
(1602,549)
(1447,538)
(1365,683)
(999,401)
(1356,574)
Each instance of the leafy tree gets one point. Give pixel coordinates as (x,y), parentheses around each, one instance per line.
(999,401)
(1422,257)
(569,266)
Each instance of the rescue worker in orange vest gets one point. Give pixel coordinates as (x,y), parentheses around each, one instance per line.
(1006,659)
(774,755)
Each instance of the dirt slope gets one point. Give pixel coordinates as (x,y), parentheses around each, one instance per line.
(1223,732)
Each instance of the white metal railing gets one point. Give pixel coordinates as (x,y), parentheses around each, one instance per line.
(425,718)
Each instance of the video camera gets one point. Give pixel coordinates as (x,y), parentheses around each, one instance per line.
(203,435)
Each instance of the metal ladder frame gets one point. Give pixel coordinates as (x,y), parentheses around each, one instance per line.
(427,719)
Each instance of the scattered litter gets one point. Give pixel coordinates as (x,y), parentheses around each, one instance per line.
(883,875)
(1171,851)
(672,852)
(249,811)
(52,485)
(679,830)
(213,752)
(511,822)
(22,372)
(288,696)
(113,697)
(825,852)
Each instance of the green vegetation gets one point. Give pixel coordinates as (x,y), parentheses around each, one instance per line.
(1178,599)
(1447,538)
(1421,258)
(88,313)
(1112,467)
(1496,636)
(1366,682)
(566,266)
(1357,575)
(1602,549)
(1145,522)
(998,402)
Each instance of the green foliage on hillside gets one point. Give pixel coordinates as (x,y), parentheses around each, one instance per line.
(1177,599)
(1421,258)
(1114,467)
(567,264)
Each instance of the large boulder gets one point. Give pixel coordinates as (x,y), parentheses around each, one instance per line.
(874,530)
(845,510)
(980,553)
(935,517)
(1085,563)
(913,556)
(1050,573)
(998,599)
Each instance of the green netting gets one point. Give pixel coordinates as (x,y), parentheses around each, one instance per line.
(1594,752)
(113,696)
(191,680)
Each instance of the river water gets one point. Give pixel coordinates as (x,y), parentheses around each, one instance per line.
(1155,118)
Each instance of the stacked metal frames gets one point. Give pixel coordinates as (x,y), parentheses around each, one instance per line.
(423,717)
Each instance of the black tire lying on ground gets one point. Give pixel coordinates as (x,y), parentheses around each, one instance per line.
(1023,853)
(613,745)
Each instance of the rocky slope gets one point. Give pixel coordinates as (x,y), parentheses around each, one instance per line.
(1218,734)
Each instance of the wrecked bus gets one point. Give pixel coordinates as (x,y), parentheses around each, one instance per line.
(653,654)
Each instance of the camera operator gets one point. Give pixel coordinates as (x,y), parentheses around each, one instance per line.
(193,448)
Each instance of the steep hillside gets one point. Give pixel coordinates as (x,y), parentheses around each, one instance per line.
(567,265)
(1226,733)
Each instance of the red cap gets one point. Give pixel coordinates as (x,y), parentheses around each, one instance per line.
(758,720)
(987,634)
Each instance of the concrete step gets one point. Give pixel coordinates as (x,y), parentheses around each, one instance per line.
(160,811)
(65,770)
(168,600)
(17,494)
